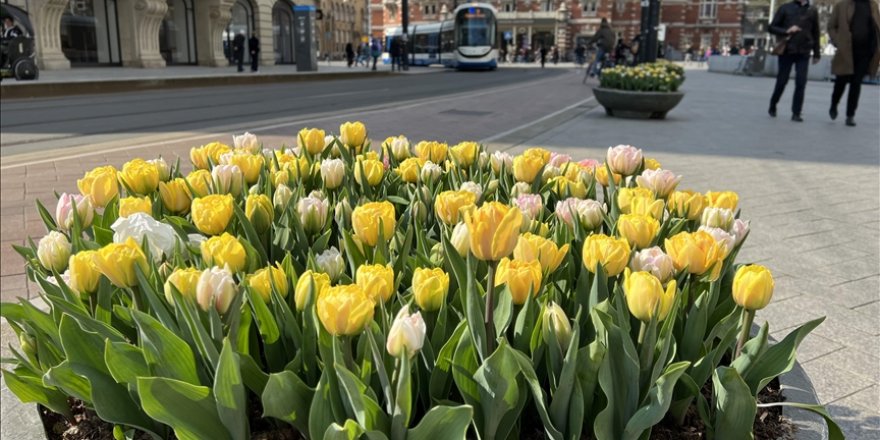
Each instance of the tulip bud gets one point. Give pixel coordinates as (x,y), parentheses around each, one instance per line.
(550,172)
(377,280)
(624,159)
(84,276)
(753,287)
(248,142)
(645,296)
(420,211)
(332,172)
(492,187)
(53,251)
(521,278)
(174,195)
(555,326)
(342,213)
(460,239)
(430,172)
(372,220)
(307,282)
(344,310)
(139,176)
(494,230)
(722,237)
(64,212)
(610,252)
(399,147)
(224,251)
(531,206)
(100,185)
(162,167)
(520,188)
(589,213)
(661,182)
(430,287)
(311,139)
(639,230)
(259,211)
(186,282)
(312,213)
(483,159)
(499,160)
(740,230)
(407,334)
(227,179)
(717,218)
(216,287)
(655,261)
(437,258)
(281,198)
(331,263)
(268,278)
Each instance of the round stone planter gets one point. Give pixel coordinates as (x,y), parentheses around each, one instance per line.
(637,105)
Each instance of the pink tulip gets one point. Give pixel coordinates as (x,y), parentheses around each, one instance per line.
(624,159)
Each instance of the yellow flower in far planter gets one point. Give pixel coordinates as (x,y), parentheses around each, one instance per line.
(521,277)
(117,262)
(131,205)
(611,252)
(365,221)
(697,252)
(465,152)
(377,280)
(211,214)
(430,287)
(345,310)
(224,251)
(431,151)
(409,169)
(100,185)
(450,205)
(140,176)
(372,168)
(753,287)
(311,140)
(267,278)
(494,230)
(526,168)
(531,247)
(645,296)
(175,196)
(638,230)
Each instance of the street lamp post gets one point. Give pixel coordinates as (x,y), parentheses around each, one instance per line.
(650,20)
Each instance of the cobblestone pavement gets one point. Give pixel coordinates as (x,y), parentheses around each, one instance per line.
(812,192)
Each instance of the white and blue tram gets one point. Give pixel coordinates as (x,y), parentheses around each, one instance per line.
(467,41)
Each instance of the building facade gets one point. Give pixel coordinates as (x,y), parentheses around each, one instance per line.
(566,23)
(344,21)
(157,33)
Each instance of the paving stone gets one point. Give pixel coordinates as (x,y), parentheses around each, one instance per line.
(857,423)
(831,381)
(812,347)
(870,309)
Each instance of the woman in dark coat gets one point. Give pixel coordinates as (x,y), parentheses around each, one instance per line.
(349,54)
(798,23)
(854,28)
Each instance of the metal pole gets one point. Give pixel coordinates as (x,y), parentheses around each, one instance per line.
(643,32)
(653,23)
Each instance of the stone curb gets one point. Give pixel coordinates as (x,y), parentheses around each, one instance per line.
(54,89)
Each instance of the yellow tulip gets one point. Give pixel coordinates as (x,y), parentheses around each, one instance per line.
(84,275)
(345,310)
(565,187)
(625,197)
(430,287)
(185,281)
(203,156)
(199,182)
(100,185)
(541,153)
(259,211)
(611,252)
(224,251)
(465,153)
(175,196)
(372,168)
(353,135)
(645,296)
(526,168)
(723,199)
(409,169)
(140,176)
(377,280)
(211,214)
(290,168)
(117,262)
(638,230)
(494,230)
(311,140)
(646,206)
(267,278)
(652,164)
(521,278)
(696,252)
(531,247)
(686,204)
(366,219)
(131,205)
(602,176)
(450,205)
(753,287)
(555,326)
(249,164)
(307,282)
(431,151)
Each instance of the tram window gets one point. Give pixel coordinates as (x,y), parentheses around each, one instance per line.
(476,28)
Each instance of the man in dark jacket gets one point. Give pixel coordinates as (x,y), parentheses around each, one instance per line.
(254,50)
(854,28)
(604,40)
(798,23)
(394,53)
(238,51)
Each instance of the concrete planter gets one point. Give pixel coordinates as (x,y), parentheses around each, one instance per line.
(637,105)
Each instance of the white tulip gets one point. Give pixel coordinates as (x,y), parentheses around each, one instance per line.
(331,262)
(216,286)
(160,236)
(312,213)
(227,179)
(653,260)
(407,334)
(162,166)
(53,251)
(461,239)
(332,172)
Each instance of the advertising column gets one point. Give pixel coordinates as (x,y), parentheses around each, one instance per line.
(304,43)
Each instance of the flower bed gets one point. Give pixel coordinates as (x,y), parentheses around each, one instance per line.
(419,291)
(648,77)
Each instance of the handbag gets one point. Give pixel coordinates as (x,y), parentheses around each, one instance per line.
(779,48)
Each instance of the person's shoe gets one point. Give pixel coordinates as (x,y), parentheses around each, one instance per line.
(797,118)
(850,122)
(833,113)
(772,111)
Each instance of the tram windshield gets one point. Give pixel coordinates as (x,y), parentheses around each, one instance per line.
(476,27)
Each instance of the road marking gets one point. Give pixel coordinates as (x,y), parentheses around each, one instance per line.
(535,122)
(383,108)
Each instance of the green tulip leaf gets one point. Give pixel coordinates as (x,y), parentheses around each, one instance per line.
(125,362)
(62,377)
(834,431)
(735,405)
(443,422)
(286,397)
(30,389)
(658,399)
(188,409)
(229,393)
(168,355)
(502,399)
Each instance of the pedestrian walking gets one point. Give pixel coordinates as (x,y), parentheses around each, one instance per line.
(796,25)
(375,51)
(349,54)
(254,50)
(555,55)
(543,52)
(579,54)
(854,28)
(604,40)
(238,51)
(394,52)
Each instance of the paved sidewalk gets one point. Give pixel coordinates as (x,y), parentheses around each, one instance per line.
(812,192)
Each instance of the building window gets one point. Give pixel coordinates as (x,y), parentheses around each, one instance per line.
(590,6)
(705,41)
(509,7)
(708,8)
(547,6)
(620,5)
